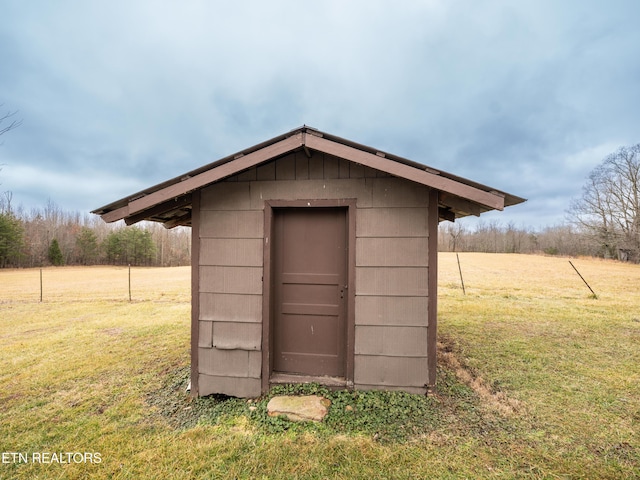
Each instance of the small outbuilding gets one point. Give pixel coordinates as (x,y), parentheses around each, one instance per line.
(314,258)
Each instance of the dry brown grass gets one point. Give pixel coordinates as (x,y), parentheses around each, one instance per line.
(531,330)
(538,277)
(537,379)
(71,284)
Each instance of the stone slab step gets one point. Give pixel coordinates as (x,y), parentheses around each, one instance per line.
(299,408)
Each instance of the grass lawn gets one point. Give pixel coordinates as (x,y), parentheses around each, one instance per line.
(537,379)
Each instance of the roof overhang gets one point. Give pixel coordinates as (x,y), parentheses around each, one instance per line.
(170,201)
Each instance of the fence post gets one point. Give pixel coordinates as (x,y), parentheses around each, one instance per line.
(40,285)
(585,282)
(464,292)
(129,282)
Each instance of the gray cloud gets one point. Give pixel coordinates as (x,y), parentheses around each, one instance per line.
(525,96)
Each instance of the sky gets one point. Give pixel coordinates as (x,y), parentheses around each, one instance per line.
(115,96)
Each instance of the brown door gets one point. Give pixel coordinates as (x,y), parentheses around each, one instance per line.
(310,270)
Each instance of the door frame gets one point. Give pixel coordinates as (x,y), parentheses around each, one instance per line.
(267,280)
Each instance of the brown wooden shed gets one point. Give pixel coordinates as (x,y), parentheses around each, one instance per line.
(314,259)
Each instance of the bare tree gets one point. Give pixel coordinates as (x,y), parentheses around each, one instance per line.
(609,208)
(13,123)
(5,129)
(454,233)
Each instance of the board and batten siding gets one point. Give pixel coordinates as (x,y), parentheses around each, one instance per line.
(391,294)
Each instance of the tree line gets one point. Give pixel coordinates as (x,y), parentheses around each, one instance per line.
(495,237)
(603,222)
(51,236)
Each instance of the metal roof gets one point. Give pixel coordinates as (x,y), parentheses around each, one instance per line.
(169,202)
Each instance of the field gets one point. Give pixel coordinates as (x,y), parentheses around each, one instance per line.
(537,379)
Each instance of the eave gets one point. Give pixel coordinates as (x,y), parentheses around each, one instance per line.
(170,201)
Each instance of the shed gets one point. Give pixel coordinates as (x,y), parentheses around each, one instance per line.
(314,258)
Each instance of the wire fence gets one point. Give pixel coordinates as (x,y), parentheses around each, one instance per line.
(100,283)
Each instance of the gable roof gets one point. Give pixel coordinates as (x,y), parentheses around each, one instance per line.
(170,202)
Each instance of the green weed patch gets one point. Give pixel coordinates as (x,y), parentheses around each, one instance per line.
(383,416)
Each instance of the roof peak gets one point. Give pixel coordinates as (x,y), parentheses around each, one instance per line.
(472,198)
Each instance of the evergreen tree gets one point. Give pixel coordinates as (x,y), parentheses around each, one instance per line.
(131,245)
(11,240)
(87,246)
(55,254)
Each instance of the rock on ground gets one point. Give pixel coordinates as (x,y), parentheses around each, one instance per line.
(299,408)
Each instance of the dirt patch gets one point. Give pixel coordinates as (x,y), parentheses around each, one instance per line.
(496,400)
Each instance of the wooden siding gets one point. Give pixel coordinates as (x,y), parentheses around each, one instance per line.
(231,223)
(391,273)
(394,192)
(381,372)
(240,280)
(233,363)
(230,307)
(392,288)
(391,341)
(230,296)
(391,310)
(228,385)
(224,196)
(243,252)
(230,335)
(361,189)
(395,281)
(205,334)
(237,336)
(392,222)
(391,252)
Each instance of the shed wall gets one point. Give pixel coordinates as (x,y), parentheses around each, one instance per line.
(230,270)
(391,295)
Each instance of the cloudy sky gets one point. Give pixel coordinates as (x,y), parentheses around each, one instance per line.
(525,96)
